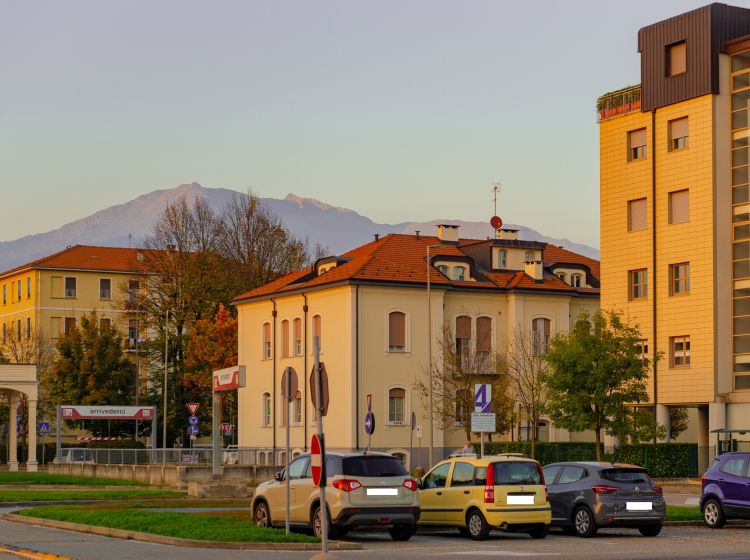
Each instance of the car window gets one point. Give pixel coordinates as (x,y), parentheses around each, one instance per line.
(571,474)
(516,472)
(734,467)
(463,474)
(297,468)
(436,477)
(550,473)
(373,465)
(625,475)
(480,476)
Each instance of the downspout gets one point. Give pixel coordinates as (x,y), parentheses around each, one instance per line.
(653,257)
(273,390)
(356,367)
(304,373)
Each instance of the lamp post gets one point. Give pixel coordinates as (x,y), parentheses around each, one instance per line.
(164,388)
(429,348)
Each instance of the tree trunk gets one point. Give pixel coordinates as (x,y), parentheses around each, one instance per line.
(598,432)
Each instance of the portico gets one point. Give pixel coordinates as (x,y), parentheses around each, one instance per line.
(17,382)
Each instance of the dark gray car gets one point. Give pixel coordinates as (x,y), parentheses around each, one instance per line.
(588,495)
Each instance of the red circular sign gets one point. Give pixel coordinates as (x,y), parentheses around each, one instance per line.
(496,222)
(316,460)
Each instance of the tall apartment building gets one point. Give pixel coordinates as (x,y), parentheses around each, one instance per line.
(675,212)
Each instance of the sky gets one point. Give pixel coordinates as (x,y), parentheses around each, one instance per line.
(402,110)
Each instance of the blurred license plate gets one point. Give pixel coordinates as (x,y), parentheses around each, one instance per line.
(382,491)
(521,500)
(639,506)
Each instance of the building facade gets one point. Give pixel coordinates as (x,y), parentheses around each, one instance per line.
(369,308)
(675,237)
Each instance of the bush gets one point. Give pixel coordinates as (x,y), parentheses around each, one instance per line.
(116,444)
(663,460)
(546,452)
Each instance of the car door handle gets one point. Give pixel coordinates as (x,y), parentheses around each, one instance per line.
(439,493)
(466,491)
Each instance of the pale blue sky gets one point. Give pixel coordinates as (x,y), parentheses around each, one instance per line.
(400,110)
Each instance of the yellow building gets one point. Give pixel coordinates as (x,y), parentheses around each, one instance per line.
(675,238)
(370,309)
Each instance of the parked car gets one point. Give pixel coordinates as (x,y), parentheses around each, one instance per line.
(363,489)
(478,494)
(726,489)
(77,456)
(588,495)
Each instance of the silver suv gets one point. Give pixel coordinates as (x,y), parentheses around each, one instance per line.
(372,489)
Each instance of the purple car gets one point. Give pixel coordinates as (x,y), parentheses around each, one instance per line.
(726,489)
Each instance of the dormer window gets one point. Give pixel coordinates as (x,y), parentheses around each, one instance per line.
(529,256)
(459,273)
(502,258)
(561,276)
(443,268)
(575,280)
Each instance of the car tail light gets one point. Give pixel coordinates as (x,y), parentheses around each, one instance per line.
(347,484)
(658,489)
(541,477)
(603,489)
(410,484)
(489,485)
(704,478)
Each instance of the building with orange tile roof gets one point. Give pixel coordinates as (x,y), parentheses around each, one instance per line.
(369,308)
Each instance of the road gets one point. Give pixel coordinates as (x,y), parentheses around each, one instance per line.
(674,542)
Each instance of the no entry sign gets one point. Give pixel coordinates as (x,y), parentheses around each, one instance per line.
(317,460)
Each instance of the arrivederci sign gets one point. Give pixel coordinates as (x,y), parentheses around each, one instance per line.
(77,412)
(230,378)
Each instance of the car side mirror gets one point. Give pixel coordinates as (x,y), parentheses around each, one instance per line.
(279,476)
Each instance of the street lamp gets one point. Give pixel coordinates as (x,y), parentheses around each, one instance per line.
(429,346)
(164,388)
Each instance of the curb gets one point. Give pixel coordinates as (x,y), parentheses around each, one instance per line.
(174,541)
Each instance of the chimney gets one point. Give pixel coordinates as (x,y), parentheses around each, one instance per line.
(535,269)
(416,231)
(447,233)
(140,257)
(376,236)
(508,234)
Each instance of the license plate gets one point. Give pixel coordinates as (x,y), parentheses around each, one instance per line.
(520,500)
(382,491)
(639,506)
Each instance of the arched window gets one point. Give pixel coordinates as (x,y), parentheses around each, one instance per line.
(529,256)
(266,409)
(284,338)
(575,280)
(266,351)
(443,268)
(502,258)
(459,273)
(317,331)
(298,337)
(396,331)
(397,406)
(561,276)
(541,332)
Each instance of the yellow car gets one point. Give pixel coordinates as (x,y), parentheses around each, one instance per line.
(477,494)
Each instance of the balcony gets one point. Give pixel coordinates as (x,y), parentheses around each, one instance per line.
(618,103)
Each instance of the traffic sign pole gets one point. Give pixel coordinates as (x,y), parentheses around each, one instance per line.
(324,481)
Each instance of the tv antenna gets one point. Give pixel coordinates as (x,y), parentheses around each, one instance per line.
(496,222)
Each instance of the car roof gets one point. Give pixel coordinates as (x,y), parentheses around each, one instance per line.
(352,454)
(596,464)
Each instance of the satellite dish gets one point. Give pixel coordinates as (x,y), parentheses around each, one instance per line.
(496,222)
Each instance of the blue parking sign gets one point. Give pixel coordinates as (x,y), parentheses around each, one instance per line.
(43,428)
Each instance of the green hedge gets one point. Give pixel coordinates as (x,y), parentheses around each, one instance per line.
(546,452)
(116,444)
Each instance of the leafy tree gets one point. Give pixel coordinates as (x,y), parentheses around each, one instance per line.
(636,424)
(595,372)
(678,421)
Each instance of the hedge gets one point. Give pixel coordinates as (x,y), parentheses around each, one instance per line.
(546,452)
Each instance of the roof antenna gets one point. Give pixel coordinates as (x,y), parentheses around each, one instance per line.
(130,240)
(495,221)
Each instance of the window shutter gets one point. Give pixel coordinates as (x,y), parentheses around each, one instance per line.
(484,334)
(57,287)
(396,329)
(677,58)
(637,138)
(285,338)
(678,128)
(463,327)
(679,206)
(637,211)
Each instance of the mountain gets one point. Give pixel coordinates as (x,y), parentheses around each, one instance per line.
(339,229)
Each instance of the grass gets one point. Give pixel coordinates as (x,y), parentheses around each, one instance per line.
(75,495)
(226,526)
(684,513)
(42,478)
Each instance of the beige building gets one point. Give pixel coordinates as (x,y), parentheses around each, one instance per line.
(675,213)
(369,307)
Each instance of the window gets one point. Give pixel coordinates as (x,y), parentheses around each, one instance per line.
(396,331)
(679,206)
(529,256)
(297,328)
(735,467)
(676,59)
(443,269)
(28,327)
(643,345)
(678,134)
(69,324)
(502,258)
(19,334)
(459,273)
(297,418)
(637,144)
(266,350)
(396,405)
(637,212)
(317,331)
(18,289)
(105,323)
(575,280)
(437,476)
(70,287)
(541,332)
(134,288)
(105,288)
(463,339)
(284,338)
(266,410)
(28,287)
(571,474)
(297,468)
(679,278)
(484,343)
(550,473)
(561,276)
(132,333)
(679,351)
(463,474)
(638,283)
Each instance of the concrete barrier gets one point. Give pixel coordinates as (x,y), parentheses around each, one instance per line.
(217,489)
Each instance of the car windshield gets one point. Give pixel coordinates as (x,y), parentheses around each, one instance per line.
(373,465)
(625,475)
(516,472)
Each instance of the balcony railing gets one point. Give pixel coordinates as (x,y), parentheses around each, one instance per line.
(618,103)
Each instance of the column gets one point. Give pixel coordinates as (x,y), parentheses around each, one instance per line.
(31,464)
(717,419)
(704,441)
(662,418)
(12,435)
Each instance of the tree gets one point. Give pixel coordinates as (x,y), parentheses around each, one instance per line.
(636,424)
(527,367)
(678,421)
(453,386)
(595,372)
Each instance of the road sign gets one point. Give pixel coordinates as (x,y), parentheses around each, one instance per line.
(317,460)
(193,430)
(289,393)
(43,428)
(369,423)
(193,407)
(482,398)
(324,386)
(418,430)
(193,420)
(483,422)
(230,378)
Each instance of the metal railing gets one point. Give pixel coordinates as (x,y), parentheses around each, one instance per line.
(244,456)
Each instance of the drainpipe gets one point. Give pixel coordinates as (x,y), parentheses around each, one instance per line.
(653,256)
(273,390)
(304,373)
(356,367)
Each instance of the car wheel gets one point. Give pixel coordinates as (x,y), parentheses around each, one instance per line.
(650,530)
(317,524)
(583,522)
(261,515)
(402,532)
(713,515)
(476,525)
(539,532)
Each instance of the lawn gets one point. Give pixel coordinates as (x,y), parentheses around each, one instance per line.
(684,513)
(227,526)
(42,478)
(75,495)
